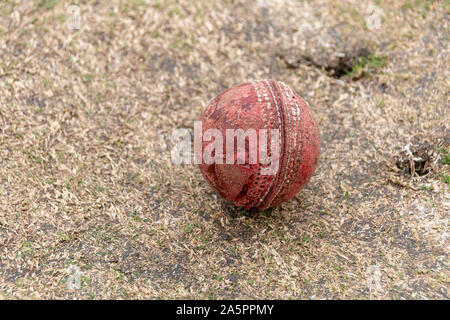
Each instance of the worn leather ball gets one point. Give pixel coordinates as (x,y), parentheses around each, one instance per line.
(257,105)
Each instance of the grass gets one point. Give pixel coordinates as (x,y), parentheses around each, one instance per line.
(86,180)
(446,179)
(445,156)
(47,4)
(367,66)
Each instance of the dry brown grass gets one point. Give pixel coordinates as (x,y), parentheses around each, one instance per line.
(85,173)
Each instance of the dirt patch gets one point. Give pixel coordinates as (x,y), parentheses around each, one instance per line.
(416,159)
(338,63)
(419,158)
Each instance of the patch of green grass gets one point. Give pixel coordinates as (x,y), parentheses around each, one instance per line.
(46,82)
(19,283)
(379,104)
(304,240)
(62,18)
(88,79)
(408,35)
(155,34)
(6,68)
(59,155)
(207,238)
(356,16)
(63,236)
(47,4)
(157,5)
(408,5)
(125,7)
(445,156)
(337,267)
(367,65)
(218,278)
(188,229)
(175,11)
(139,3)
(33,157)
(212,294)
(417,4)
(135,216)
(182,44)
(446,179)
(27,248)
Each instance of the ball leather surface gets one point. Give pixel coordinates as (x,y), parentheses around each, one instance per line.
(263,104)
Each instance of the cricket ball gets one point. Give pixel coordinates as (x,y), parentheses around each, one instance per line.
(254,108)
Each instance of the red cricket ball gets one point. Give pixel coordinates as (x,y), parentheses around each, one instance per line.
(252,107)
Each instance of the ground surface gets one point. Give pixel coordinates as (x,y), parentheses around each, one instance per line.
(88,191)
